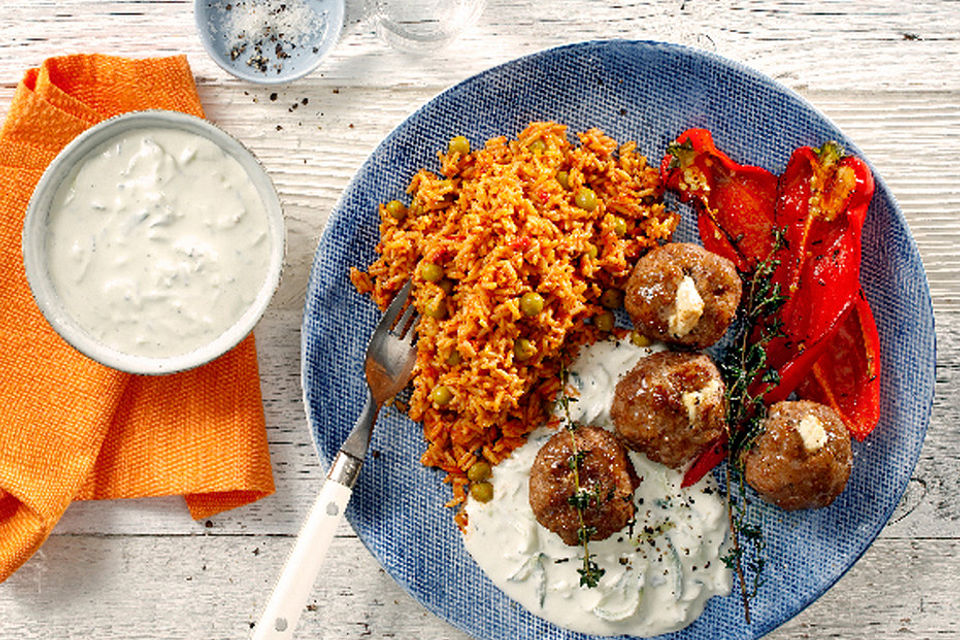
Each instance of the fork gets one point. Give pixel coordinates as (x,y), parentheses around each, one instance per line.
(388,367)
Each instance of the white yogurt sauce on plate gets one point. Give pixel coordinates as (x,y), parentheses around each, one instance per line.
(157,242)
(658,574)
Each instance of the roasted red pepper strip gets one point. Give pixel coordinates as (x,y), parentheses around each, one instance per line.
(847,375)
(706,461)
(798,365)
(736,202)
(822,203)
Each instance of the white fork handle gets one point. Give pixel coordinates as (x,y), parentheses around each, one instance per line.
(289,597)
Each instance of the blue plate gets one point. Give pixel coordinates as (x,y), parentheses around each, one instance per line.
(648,92)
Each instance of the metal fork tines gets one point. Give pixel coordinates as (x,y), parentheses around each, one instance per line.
(391,354)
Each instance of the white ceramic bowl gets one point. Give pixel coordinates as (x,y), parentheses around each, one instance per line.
(34,243)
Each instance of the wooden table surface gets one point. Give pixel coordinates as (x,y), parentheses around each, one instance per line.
(886,71)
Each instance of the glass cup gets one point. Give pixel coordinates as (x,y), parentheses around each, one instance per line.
(417,26)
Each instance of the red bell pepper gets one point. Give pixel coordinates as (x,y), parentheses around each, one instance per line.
(847,375)
(707,460)
(822,203)
(818,204)
(736,202)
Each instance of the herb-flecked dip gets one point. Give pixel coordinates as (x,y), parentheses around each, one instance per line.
(657,572)
(158,242)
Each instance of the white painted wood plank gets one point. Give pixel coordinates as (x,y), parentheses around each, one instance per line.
(813,45)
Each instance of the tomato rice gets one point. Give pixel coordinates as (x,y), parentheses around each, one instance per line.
(499,222)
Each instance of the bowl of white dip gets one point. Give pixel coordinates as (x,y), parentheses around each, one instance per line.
(153,242)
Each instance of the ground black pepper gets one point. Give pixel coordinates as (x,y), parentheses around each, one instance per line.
(265,33)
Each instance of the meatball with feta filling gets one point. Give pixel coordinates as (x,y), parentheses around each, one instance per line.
(803,458)
(670,407)
(683,294)
(606,477)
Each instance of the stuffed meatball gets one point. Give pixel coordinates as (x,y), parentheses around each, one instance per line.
(683,294)
(606,477)
(803,459)
(670,407)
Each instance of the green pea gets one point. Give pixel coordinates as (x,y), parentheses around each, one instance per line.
(618,224)
(586,199)
(479,471)
(523,349)
(612,298)
(537,146)
(447,285)
(604,321)
(531,303)
(441,395)
(453,358)
(640,340)
(436,309)
(459,144)
(396,210)
(481,491)
(592,250)
(564,179)
(431,272)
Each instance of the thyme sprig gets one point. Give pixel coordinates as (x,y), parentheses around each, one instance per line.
(746,361)
(744,364)
(590,572)
(750,533)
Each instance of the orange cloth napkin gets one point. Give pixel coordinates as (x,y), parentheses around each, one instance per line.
(69,427)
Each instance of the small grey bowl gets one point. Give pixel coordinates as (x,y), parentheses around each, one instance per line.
(34,243)
(282,57)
